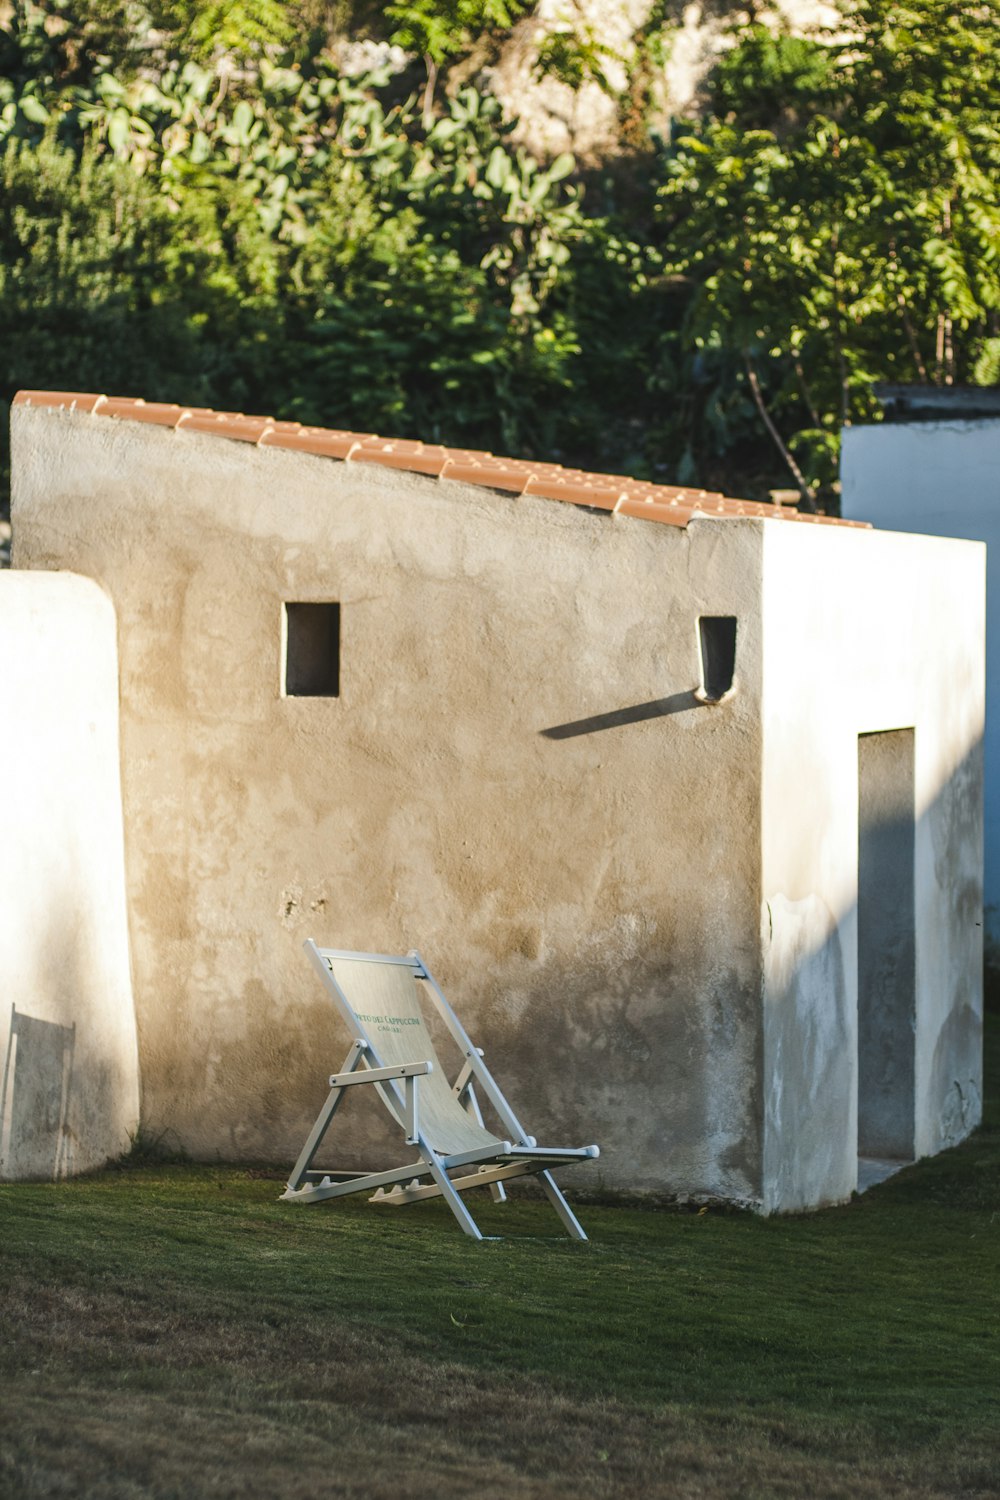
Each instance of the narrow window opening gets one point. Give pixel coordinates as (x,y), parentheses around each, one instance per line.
(312,651)
(717,634)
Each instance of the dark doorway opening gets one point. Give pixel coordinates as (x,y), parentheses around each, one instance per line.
(886,950)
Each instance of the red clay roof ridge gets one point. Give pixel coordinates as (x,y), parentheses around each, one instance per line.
(615,494)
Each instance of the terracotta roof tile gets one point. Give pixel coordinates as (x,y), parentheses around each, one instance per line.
(402,453)
(577,491)
(226,424)
(470,456)
(163,413)
(68,400)
(417,463)
(511,474)
(674,512)
(322,441)
(615,493)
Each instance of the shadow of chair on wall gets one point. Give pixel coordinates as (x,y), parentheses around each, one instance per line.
(35,1091)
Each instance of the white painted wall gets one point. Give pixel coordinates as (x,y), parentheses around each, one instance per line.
(865,631)
(69,1086)
(941,479)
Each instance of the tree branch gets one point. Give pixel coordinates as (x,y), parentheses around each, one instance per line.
(806,393)
(779,442)
(427,111)
(912,337)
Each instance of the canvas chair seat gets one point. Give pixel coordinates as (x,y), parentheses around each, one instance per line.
(393,1051)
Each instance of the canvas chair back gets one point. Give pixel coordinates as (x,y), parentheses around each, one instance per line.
(383,1009)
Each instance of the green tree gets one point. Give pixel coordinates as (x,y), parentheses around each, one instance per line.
(839,217)
(67,43)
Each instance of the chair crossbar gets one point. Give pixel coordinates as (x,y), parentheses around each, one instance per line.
(332,1174)
(380,1075)
(485,1177)
(327,1188)
(553,1154)
(372,958)
(556,1153)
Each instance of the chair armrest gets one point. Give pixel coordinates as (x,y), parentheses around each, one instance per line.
(380,1075)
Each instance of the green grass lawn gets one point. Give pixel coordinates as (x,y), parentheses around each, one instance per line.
(175,1331)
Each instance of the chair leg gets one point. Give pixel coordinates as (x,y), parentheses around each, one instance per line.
(323,1121)
(570,1221)
(450,1196)
(314,1139)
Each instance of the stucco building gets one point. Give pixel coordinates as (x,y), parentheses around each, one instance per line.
(680,796)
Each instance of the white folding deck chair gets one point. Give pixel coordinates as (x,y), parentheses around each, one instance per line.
(393,1051)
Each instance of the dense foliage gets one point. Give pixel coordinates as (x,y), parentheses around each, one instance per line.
(195,204)
(840,213)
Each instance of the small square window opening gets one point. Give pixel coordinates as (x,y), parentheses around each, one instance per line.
(717,636)
(312,651)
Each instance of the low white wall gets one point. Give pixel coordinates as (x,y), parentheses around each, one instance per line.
(69,1087)
(941,479)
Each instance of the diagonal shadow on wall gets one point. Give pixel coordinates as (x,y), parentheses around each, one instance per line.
(658,708)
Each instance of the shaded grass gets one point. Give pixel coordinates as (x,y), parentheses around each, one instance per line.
(173,1330)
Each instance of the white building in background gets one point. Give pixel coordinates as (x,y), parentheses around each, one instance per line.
(934,468)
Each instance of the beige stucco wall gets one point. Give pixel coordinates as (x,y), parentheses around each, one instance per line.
(69,1086)
(590,903)
(866,632)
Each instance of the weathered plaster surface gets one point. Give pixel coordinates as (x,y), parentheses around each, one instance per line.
(589,902)
(865,632)
(69,1086)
